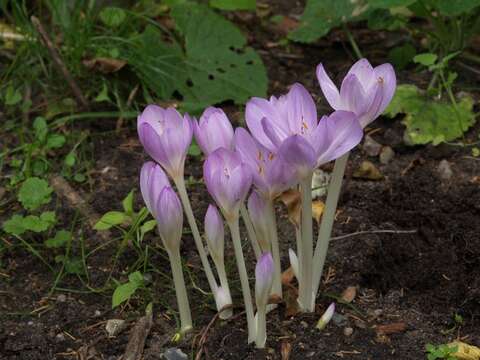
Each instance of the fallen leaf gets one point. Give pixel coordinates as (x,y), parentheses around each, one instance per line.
(288,276)
(287,24)
(285,350)
(367,171)
(349,294)
(475,180)
(291,304)
(317,210)
(392,328)
(104,65)
(465,351)
(292,200)
(274,299)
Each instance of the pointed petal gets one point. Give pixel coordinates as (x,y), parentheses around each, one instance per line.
(330,91)
(364,73)
(274,134)
(299,154)
(302,112)
(353,95)
(169,216)
(255,110)
(385,75)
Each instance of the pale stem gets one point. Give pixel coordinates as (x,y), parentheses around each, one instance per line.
(222,275)
(182,191)
(261,320)
(181,291)
(306,249)
(272,228)
(298,237)
(326,225)
(242,271)
(250,230)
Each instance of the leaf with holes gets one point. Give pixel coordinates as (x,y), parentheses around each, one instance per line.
(219,64)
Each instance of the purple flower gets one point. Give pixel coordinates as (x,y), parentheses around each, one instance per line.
(213,131)
(365,90)
(257,208)
(263,278)
(166,136)
(169,216)
(152,181)
(214,232)
(228,180)
(271,175)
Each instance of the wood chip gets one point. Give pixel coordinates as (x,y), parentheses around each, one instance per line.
(137,337)
(285,350)
(392,328)
(104,65)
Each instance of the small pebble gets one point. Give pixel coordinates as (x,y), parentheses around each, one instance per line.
(386,155)
(30,323)
(304,324)
(360,324)
(348,331)
(115,326)
(339,320)
(61,298)
(371,147)
(60,337)
(97,313)
(444,170)
(174,354)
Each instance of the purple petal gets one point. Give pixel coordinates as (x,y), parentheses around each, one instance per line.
(214,230)
(275,134)
(169,216)
(299,154)
(330,91)
(213,131)
(353,95)
(385,76)
(363,72)
(144,179)
(302,112)
(153,145)
(257,208)
(264,271)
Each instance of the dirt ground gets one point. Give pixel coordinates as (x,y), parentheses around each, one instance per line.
(417,281)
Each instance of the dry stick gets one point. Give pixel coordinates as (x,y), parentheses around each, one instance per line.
(131,96)
(82,102)
(374,232)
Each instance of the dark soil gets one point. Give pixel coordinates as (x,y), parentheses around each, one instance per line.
(422,278)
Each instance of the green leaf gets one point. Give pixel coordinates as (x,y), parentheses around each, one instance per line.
(49,217)
(388,4)
(103,94)
(455,7)
(427,120)
(61,239)
(74,266)
(34,192)
(219,65)
(125,291)
(110,219)
(148,226)
(136,278)
(194,149)
(234,4)
(12,96)
(41,128)
(55,141)
(14,225)
(35,223)
(127,203)
(112,16)
(70,159)
(426,59)
(401,56)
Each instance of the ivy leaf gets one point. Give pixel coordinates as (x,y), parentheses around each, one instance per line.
(49,217)
(14,225)
(112,16)
(110,219)
(34,192)
(35,224)
(61,239)
(233,4)
(219,64)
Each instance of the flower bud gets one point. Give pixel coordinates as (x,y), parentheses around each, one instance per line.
(326,317)
(213,131)
(152,181)
(169,216)
(264,272)
(214,233)
(258,211)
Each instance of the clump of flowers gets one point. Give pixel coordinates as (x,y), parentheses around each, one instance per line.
(245,171)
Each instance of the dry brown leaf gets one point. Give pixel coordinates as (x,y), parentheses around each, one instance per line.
(292,200)
(287,24)
(349,294)
(367,171)
(288,276)
(465,351)
(104,65)
(392,328)
(274,299)
(291,304)
(317,209)
(285,350)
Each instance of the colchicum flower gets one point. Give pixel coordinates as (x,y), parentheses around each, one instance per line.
(152,181)
(365,90)
(213,131)
(166,136)
(258,209)
(264,272)
(228,180)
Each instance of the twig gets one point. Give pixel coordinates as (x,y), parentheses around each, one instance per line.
(131,96)
(374,232)
(82,102)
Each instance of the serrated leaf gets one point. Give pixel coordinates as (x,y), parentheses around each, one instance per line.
(426,59)
(234,4)
(55,141)
(430,121)
(110,219)
(127,203)
(35,223)
(14,225)
(112,16)
(34,192)
(219,64)
(49,217)
(61,239)
(41,129)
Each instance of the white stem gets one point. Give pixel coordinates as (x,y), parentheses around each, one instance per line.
(181,291)
(272,227)
(182,191)
(306,249)
(222,275)
(298,237)
(247,296)
(250,231)
(261,321)
(328,218)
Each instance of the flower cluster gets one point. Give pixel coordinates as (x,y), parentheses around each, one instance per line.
(285,142)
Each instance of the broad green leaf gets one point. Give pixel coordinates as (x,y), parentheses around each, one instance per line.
(388,4)
(14,225)
(12,96)
(112,16)
(381,19)
(35,223)
(401,56)
(426,59)
(219,65)
(427,120)
(60,239)
(55,141)
(234,4)
(455,7)
(136,277)
(34,192)
(41,128)
(110,219)
(127,203)
(125,291)
(49,217)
